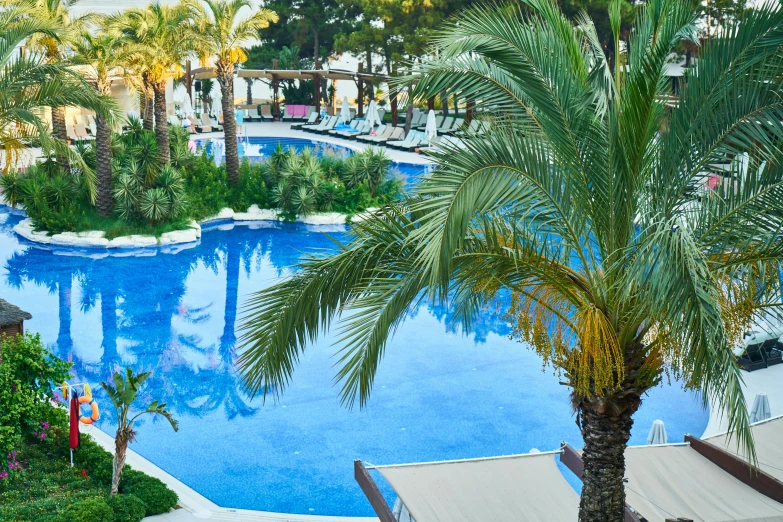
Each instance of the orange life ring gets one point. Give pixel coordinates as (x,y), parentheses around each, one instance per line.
(94,414)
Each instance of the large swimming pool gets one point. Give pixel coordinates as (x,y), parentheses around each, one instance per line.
(439,394)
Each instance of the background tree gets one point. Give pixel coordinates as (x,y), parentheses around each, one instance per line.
(159,37)
(30,83)
(583,207)
(219,36)
(123,394)
(57,13)
(104,54)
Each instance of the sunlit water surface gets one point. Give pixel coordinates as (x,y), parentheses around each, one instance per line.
(439,394)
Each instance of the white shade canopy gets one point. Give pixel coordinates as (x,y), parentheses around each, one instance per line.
(345,111)
(431,130)
(520,488)
(676,481)
(372,116)
(657,433)
(766,440)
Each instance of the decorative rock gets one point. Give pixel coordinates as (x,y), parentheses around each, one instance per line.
(364,215)
(80,239)
(225,213)
(257,214)
(135,241)
(196,227)
(178,236)
(326,218)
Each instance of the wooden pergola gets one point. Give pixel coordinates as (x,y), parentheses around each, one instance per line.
(275,75)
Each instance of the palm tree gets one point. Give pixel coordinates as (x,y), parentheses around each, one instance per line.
(30,83)
(158,34)
(122,396)
(103,55)
(58,13)
(586,203)
(221,33)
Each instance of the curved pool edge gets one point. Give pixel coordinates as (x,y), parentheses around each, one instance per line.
(196,503)
(171,242)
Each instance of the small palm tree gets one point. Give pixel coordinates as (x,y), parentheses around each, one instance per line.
(159,36)
(104,55)
(591,203)
(219,37)
(123,394)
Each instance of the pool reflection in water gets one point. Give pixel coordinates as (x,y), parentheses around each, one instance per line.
(438,395)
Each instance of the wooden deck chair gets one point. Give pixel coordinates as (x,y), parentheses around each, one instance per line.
(205,124)
(266,113)
(287,116)
(69,131)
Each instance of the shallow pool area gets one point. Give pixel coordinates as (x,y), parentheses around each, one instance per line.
(439,394)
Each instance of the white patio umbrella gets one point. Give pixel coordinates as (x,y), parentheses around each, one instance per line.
(760,410)
(187,108)
(431,130)
(345,111)
(657,433)
(372,114)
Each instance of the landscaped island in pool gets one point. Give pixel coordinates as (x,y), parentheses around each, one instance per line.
(439,394)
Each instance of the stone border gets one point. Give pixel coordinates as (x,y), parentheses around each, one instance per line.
(96,239)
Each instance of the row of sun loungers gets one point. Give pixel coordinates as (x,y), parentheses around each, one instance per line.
(393,137)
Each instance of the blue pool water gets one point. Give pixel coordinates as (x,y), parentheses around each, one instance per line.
(439,394)
(257,148)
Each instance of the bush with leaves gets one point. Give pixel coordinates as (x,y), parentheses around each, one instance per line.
(157,498)
(28,372)
(127,508)
(93,509)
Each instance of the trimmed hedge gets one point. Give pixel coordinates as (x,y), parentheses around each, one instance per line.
(153,493)
(127,508)
(93,509)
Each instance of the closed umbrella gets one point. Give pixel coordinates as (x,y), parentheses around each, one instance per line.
(760,410)
(73,424)
(431,130)
(345,111)
(657,433)
(372,114)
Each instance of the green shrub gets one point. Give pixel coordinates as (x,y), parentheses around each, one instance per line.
(154,493)
(27,372)
(127,508)
(93,509)
(95,460)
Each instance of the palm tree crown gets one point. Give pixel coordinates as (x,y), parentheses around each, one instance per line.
(219,34)
(587,204)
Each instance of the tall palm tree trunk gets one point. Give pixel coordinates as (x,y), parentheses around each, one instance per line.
(229,127)
(148,104)
(605,437)
(161,123)
(120,449)
(104,201)
(60,131)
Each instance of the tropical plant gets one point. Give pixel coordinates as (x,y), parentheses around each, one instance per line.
(58,14)
(30,83)
(370,167)
(103,55)
(588,204)
(221,34)
(158,34)
(123,394)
